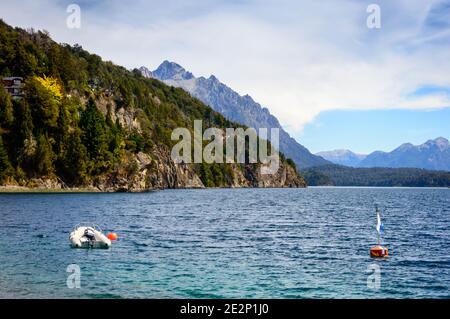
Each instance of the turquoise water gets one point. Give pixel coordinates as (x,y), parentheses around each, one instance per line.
(262,243)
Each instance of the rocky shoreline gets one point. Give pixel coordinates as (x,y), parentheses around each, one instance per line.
(144,172)
(25,189)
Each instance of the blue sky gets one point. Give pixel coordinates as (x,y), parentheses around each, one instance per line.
(313,64)
(367,131)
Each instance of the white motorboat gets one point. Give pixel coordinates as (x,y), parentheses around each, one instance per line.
(88,237)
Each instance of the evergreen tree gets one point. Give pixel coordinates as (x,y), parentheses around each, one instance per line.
(24,146)
(44,156)
(62,132)
(61,139)
(23,126)
(205,175)
(95,136)
(116,143)
(5,166)
(6,109)
(76,161)
(217,174)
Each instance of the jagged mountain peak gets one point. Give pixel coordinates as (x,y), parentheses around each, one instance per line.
(212,77)
(146,72)
(166,64)
(440,142)
(171,71)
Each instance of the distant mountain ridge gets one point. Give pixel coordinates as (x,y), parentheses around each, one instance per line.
(343,157)
(237,108)
(432,155)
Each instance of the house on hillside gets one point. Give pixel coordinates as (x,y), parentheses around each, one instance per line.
(13,85)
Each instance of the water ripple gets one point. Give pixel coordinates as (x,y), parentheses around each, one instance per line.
(234,243)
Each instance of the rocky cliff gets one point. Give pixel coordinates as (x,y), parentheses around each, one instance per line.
(157,170)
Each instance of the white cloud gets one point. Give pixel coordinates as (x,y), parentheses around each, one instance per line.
(298,58)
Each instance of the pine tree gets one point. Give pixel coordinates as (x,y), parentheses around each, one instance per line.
(23,126)
(116,142)
(44,156)
(6,109)
(5,166)
(217,174)
(61,139)
(94,131)
(76,161)
(205,175)
(24,144)
(62,132)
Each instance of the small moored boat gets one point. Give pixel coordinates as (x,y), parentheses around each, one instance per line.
(88,237)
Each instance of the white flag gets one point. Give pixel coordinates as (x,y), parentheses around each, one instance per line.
(379,224)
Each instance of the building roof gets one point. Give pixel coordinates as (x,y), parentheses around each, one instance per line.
(10,78)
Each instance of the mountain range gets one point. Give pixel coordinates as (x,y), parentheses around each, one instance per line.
(432,155)
(237,108)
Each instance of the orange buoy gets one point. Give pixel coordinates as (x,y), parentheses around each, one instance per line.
(379,251)
(112,236)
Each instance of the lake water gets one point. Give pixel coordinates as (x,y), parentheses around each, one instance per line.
(231,243)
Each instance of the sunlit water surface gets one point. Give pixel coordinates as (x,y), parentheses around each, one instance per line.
(247,243)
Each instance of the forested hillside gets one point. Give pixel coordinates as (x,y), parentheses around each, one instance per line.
(338,175)
(85,122)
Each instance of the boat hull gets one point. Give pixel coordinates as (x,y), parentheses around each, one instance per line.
(78,239)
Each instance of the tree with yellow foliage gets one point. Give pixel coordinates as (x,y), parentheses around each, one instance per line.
(44,95)
(52,86)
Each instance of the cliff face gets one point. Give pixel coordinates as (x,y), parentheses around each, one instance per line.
(286,176)
(149,172)
(143,172)
(157,170)
(160,172)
